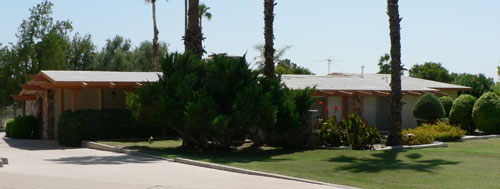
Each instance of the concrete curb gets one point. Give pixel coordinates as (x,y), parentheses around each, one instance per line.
(404,147)
(251,172)
(105,147)
(472,137)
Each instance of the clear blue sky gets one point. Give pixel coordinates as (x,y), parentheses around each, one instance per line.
(463,35)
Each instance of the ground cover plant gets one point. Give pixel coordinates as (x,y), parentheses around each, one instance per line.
(428,133)
(469,164)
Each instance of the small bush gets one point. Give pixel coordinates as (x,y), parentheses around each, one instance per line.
(352,131)
(428,133)
(486,113)
(428,109)
(8,128)
(96,125)
(24,128)
(461,113)
(447,103)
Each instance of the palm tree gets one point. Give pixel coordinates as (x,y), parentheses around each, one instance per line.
(185,16)
(204,13)
(155,38)
(396,105)
(269,38)
(194,37)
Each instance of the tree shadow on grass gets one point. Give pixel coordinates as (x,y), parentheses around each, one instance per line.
(219,156)
(388,160)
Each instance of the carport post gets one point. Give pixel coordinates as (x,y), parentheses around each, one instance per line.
(74,93)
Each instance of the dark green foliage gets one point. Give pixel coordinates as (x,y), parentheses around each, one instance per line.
(486,113)
(428,108)
(210,103)
(461,113)
(8,128)
(97,125)
(479,83)
(430,71)
(286,66)
(352,131)
(69,132)
(428,133)
(24,128)
(447,103)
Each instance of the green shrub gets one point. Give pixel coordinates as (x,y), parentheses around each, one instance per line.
(352,131)
(24,128)
(447,103)
(8,128)
(486,113)
(69,131)
(428,109)
(461,113)
(428,133)
(97,125)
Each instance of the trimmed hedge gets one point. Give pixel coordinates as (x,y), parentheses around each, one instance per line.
(461,113)
(8,128)
(447,103)
(428,133)
(486,113)
(23,128)
(428,109)
(81,125)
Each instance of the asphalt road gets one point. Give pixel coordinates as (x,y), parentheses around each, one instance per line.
(44,164)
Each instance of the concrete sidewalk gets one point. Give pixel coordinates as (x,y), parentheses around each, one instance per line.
(44,164)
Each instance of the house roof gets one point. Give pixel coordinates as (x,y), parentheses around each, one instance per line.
(368,83)
(84,79)
(101,76)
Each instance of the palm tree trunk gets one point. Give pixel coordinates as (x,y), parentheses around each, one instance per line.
(185,16)
(269,38)
(155,38)
(395,137)
(194,37)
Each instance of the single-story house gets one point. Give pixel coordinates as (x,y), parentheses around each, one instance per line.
(51,92)
(368,95)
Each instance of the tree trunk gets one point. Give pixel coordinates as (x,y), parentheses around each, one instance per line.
(185,16)
(269,38)
(395,137)
(155,39)
(194,37)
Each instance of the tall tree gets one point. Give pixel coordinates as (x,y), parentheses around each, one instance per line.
(82,53)
(430,71)
(384,64)
(185,16)
(116,55)
(204,13)
(479,83)
(396,105)
(278,54)
(155,38)
(269,38)
(194,37)
(286,66)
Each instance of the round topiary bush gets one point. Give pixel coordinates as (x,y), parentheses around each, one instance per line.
(24,127)
(461,113)
(486,113)
(447,103)
(428,109)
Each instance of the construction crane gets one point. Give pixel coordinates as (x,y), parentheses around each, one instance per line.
(330,60)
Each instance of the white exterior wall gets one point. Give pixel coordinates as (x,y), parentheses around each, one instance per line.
(336,101)
(407,115)
(369,113)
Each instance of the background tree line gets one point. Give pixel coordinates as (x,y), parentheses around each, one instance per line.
(46,44)
(436,72)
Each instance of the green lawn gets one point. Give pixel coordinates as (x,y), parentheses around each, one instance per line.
(470,164)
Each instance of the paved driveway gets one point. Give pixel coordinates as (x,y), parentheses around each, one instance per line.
(44,164)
